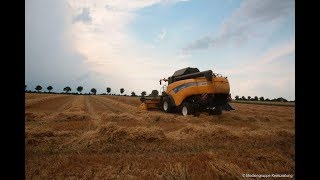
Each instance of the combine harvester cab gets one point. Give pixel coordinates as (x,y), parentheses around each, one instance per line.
(191,92)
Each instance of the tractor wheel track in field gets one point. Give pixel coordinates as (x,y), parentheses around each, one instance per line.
(125,107)
(37,96)
(52,105)
(135,102)
(109,105)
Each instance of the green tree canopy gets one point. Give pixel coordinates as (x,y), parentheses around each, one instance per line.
(79,89)
(49,88)
(108,90)
(38,88)
(143,93)
(154,93)
(133,93)
(121,90)
(281,99)
(67,89)
(94,91)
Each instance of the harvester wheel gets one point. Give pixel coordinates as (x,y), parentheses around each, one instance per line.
(186,109)
(166,105)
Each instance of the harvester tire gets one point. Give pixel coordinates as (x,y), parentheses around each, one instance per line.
(186,109)
(166,105)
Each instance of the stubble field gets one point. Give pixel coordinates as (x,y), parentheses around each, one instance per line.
(108,137)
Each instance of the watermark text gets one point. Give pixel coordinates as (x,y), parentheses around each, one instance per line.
(267,175)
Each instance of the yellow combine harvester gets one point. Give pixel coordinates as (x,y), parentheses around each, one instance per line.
(190,92)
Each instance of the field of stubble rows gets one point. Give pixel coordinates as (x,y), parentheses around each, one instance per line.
(108,137)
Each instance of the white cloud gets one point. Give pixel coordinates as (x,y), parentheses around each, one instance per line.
(162,34)
(242,24)
(112,52)
(166,2)
(84,16)
(263,74)
(184,55)
(264,86)
(263,62)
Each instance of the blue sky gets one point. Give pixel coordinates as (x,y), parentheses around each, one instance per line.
(131,44)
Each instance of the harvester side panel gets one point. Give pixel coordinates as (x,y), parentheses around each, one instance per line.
(182,89)
(222,85)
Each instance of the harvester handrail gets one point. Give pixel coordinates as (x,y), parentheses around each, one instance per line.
(217,75)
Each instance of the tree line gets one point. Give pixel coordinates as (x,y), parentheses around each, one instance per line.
(67,89)
(256,98)
(93,91)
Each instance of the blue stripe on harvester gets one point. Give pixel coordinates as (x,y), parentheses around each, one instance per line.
(179,88)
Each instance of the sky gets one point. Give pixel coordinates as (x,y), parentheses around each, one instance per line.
(132,44)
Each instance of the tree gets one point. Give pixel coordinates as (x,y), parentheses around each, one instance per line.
(143,93)
(108,90)
(281,99)
(49,88)
(243,98)
(25,87)
(267,99)
(133,93)
(121,90)
(38,88)
(94,91)
(67,89)
(261,98)
(249,98)
(237,97)
(256,98)
(154,93)
(79,89)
